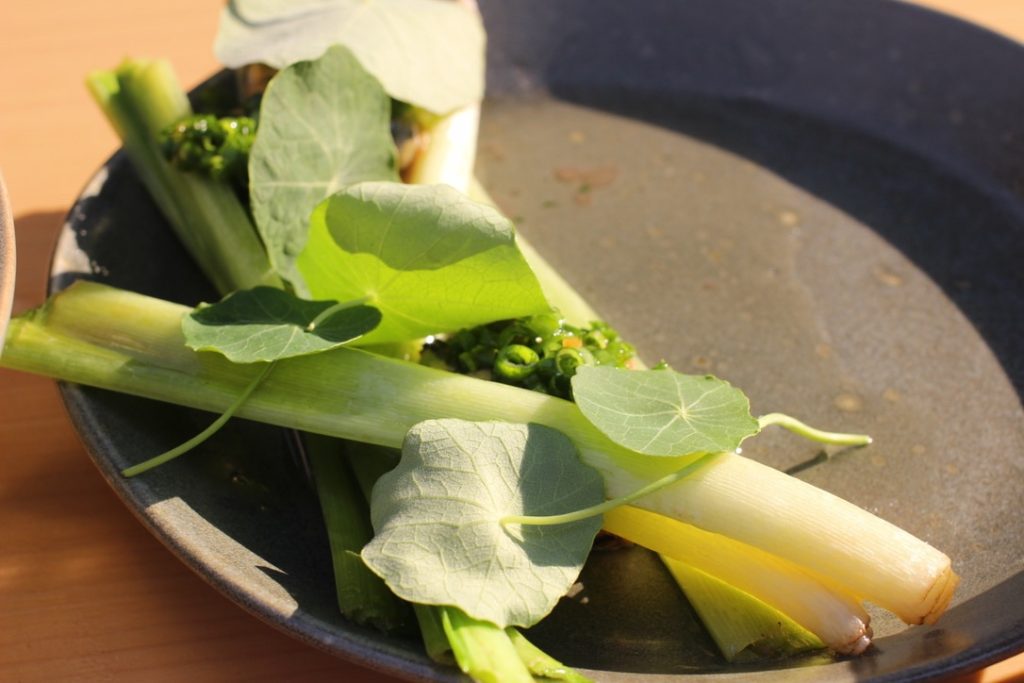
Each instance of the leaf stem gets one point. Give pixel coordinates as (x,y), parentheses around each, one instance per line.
(797,427)
(601,508)
(340,306)
(541,664)
(202,436)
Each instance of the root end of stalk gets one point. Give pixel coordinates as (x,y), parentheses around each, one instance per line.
(860,645)
(859,640)
(943,589)
(936,599)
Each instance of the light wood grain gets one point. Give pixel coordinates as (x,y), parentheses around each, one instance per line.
(85,592)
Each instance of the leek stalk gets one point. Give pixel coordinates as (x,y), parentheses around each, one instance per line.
(100,336)
(361,595)
(826,611)
(142,97)
(482,650)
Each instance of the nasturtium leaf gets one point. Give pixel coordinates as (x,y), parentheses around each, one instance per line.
(264,11)
(265,324)
(430,258)
(663,412)
(429,53)
(439,540)
(323,125)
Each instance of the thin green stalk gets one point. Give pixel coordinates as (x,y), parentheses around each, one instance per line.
(541,664)
(362,596)
(797,427)
(601,508)
(435,640)
(482,650)
(328,312)
(142,97)
(202,436)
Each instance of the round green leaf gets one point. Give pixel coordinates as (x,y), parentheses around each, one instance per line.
(439,539)
(429,53)
(266,324)
(663,412)
(315,137)
(429,257)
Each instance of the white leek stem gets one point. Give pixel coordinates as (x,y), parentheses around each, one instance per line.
(450,153)
(832,615)
(765,508)
(97,335)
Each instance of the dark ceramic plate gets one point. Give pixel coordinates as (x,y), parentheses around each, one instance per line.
(818,201)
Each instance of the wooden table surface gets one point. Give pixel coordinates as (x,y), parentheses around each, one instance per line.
(85,592)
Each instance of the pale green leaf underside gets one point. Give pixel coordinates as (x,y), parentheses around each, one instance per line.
(429,258)
(436,518)
(266,324)
(264,11)
(429,53)
(323,125)
(662,412)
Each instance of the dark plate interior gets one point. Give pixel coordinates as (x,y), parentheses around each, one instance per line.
(820,202)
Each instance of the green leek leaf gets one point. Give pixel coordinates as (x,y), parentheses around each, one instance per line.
(439,539)
(663,412)
(266,324)
(431,259)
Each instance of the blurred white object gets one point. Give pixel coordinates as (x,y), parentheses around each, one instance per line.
(6,261)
